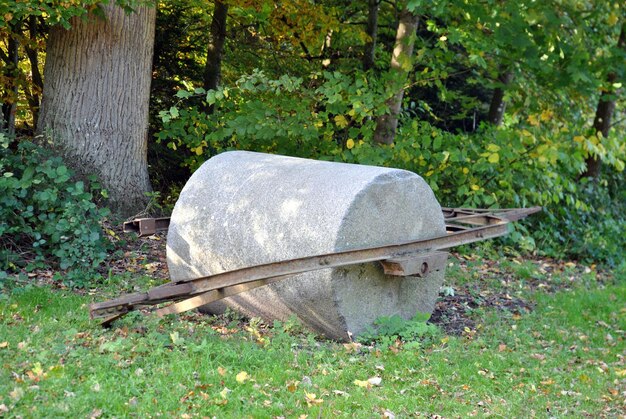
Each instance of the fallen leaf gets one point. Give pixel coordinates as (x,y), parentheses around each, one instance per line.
(501,347)
(3,408)
(17,393)
(364,384)
(352,347)
(242,377)
(221,371)
(375,381)
(224,393)
(3,345)
(95,413)
(311,399)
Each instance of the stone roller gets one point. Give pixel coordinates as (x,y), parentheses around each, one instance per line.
(242,209)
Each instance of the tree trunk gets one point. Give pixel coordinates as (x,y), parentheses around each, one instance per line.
(215,49)
(401,65)
(11,73)
(497,106)
(95,99)
(604,113)
(32,53)
(372,33)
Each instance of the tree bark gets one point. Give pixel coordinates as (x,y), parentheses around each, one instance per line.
(372,33)
(215,48)
(401,65)
(604,114)
(95,100)
(498,105)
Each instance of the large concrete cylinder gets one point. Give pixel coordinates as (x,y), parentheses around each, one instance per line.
(241,209)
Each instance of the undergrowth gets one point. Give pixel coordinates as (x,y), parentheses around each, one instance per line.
(49,218)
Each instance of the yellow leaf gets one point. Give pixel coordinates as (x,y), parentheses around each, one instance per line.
(350,144)
(475,187)
(612,20)
(579,139)
(242,377)
(341,121)
(198,150)
(620,373)
(221,371)
(4,344)
(311,399)
(494,158)
(532,120)
(364,384)
(546,115)
(225,392)
(493,147)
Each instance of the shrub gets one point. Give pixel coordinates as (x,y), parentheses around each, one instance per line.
(529,161)
(48,218)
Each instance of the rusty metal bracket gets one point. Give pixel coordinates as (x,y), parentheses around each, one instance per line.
(146,226)
(418,265)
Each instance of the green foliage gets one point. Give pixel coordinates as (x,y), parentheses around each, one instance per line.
(48,218)
(387,330)
(314,119)
(535,159)
(595,230)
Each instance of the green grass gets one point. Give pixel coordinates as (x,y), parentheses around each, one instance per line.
(566,358)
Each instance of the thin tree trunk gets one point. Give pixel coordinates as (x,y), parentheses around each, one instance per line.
(498,105)
(32,53)
(215,48)
(95,99)
(11,71)
(401,65)
(604,114)
(372,33)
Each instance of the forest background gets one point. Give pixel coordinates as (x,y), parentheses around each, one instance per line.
(495,104)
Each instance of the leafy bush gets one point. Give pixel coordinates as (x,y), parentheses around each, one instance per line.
(531,160)
(48,219)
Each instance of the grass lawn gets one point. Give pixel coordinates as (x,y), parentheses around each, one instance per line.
(564,358)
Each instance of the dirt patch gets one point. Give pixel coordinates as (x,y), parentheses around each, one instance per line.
(453,313)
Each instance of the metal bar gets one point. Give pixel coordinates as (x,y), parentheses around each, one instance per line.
(215,295)
(196,292)
(182,289)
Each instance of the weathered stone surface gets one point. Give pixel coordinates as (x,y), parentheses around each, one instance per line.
(243,209)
